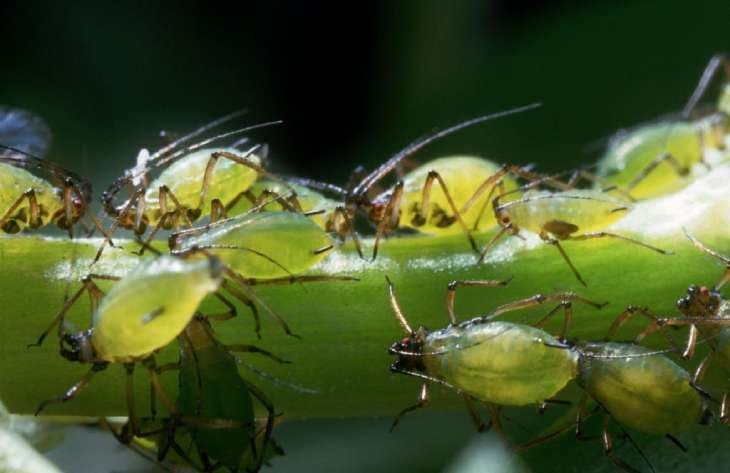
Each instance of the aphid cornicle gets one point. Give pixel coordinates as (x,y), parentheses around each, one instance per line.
(27,200)
(197,180)
(216,404)
(493,362)
(142,313)
(559,216)
(656,159)
(440,211)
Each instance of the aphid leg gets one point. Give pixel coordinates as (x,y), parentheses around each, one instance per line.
(131,427)
(243,161)
(498,236)
(228,314)
(153,398)
(608,449)
(538,299)
(607,186)
(552,241)
(725,409)
(151,366)
(235,292)
(498,186)
(474,414)
(627,314)
(451,292)
(548,402)
(217,211)
(289,204)
(496,423)
(567,307)
(74,390)
(395,306)
(723,259)
(662,158)
(147,242)
(258,394)
(389,218)
(689,350)
(347,228)
(135,202)
(242,348)
(544,438)
(422,402)
(707,75)
(298,279)
(425,204)
(28,195)
(251,294)
(88,285)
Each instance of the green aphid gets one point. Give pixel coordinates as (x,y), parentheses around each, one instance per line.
(26,199)
(497,363)
(473,179)
(194,181)
(142,313)
(657,159)
(260,245)
(216,405)
(575,215)
(707,313)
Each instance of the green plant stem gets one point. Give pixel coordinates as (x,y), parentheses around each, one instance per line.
(346,327)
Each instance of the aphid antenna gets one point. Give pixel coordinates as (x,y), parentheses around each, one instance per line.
(707,75)
(426,377)
(275,379)
(195,146)
(723,259)
(396,308)
(362,188)
(317,185)
(209,126)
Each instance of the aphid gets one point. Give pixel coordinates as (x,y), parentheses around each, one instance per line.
(215,404)
(27,200)
(243,242)
(490,361)
(639,388)
(559,216)
(657,159)
(707,313)
(197,181)
(435,212)
(142,313)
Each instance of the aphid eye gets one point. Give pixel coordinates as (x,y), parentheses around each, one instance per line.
(505,219)
(683,303)
(692,289)
(704,290)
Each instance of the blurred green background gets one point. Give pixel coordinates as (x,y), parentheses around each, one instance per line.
(354,82)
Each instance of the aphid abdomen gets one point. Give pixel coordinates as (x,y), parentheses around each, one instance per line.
(631,153)
(185,176)
(587,210)
(500,362)
(211,389)
(150,306)
(651,394)
(249,243)
(463,175)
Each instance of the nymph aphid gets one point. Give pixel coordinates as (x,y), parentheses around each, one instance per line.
(195,181)
(498,363)
(560,216)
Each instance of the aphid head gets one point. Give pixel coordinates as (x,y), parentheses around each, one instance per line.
(699,302)
(78,347)
(410,352)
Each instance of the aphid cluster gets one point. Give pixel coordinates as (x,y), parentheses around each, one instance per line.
(233,224)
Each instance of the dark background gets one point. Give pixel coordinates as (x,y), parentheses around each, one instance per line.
(354,82)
